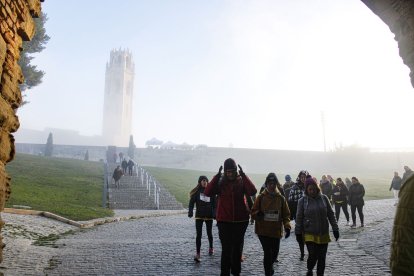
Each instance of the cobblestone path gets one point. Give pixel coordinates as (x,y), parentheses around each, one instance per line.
(166,246)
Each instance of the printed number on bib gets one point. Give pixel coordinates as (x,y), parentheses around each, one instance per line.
(271,215)
(204,198)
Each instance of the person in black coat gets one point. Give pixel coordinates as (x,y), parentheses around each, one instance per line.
(340,199)
(356,200)
(205,212)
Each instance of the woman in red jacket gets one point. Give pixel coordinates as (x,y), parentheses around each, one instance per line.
(232,215)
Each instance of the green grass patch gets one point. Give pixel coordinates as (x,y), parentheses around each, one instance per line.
(179,181)
(67,187)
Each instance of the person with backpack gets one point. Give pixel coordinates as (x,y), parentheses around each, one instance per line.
(232,216)
(131,165)
(205,213)
(340,199)
(124,166)
(272,216)
(314,214)
(296,193)
(117,174)
(356,200)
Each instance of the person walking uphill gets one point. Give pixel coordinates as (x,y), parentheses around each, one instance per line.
(296,193)
(395,186)
(272,215)
(313,217)
(205,212)
(356,200)
(340,199)
(232,216)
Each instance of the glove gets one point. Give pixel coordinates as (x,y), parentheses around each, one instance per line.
(220,169)
(190,214)
(336,235)
(299,238)
(260,215)
(241,172)
(287,233)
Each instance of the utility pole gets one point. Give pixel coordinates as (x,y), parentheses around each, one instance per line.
(323,130)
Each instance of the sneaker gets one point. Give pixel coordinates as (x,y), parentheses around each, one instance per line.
(362,225)
(210,251)
(197,258)
(353,225)
(347,223)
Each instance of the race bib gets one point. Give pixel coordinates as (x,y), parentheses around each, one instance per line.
(204,198)
(271,215)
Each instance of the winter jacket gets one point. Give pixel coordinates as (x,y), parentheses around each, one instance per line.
(402,242)
(356,194)
(342,197)
(205,206)
(286,187)
(396,183)
(276,214)
(296,192)
(230,197)
(326,189)
(406,175)
(314,215)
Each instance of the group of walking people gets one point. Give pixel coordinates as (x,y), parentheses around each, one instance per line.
(225,199)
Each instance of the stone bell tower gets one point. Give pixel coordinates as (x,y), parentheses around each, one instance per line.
(119,87)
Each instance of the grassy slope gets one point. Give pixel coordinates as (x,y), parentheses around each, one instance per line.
(70,188)
(179,182)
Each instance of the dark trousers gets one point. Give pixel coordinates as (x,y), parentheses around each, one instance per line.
(317,254)
(344,207)
(271,251)
(231,235)
(361,215)
(199,230)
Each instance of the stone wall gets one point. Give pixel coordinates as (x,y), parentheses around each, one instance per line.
(399,16)
(16,25)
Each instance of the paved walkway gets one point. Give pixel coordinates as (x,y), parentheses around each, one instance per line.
(165,245)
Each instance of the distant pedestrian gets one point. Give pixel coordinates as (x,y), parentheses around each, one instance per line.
(326,186)
(288,185)
(205,212)
(312,225)
(348,182)
(356,200)
(395,186)
(131,165)
(114,157)
(340,199)
(117,176)
(296,193)
(124,166)
(272,216)
(407,173)
(121,157)
(232,216)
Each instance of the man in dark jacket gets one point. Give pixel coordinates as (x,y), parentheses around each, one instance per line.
(232,215)
(407,173)
(395,186)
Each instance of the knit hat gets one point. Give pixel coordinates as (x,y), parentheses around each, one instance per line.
(288,178)
(309,180)
(201,178)
(271,177)
(230,165)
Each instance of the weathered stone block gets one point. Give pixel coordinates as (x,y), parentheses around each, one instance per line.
(7,149)
(8,119)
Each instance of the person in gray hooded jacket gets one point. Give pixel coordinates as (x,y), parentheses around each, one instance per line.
(313,216)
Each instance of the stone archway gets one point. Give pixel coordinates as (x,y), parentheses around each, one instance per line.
(16,25)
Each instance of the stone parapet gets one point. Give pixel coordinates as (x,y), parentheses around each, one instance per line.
(16,25)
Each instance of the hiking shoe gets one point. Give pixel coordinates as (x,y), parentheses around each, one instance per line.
(362,225)
(210,251)
(353,225)
(197,258)
(347,223)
